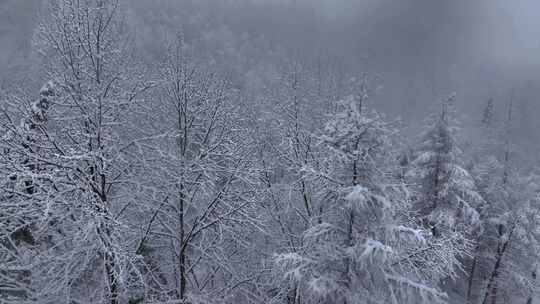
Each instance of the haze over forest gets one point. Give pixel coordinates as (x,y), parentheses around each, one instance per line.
(422,50)
(274,151)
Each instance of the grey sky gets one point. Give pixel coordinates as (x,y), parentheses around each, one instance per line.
(421,49)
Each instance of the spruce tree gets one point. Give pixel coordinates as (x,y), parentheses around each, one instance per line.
(365,241)
(447,197)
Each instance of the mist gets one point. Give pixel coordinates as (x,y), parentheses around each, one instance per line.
(269,151)
(421,50)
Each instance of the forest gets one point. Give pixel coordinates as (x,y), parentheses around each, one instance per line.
(265,152)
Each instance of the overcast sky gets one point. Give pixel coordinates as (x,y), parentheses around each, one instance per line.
(421,49)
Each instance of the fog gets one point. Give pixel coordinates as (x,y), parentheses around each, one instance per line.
(269,151)
(421,49)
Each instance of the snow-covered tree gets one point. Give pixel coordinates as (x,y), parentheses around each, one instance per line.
(215,166)
(200,183)
(508,246)
(366,249)
(20,166)
(489,113)
(286,127)
(76,164)
(447,197)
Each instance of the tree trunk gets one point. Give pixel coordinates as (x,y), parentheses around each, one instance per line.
(471,280)
(491,289)
(113,280)
(530,298)
(292,296)
(110,265)
(182,258)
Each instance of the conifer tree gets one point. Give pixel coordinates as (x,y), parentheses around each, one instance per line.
(365,250)
(447,200)
(508,241)
(20,171)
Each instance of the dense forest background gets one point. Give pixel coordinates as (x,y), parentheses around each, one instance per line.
(269,151)
(420,50)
